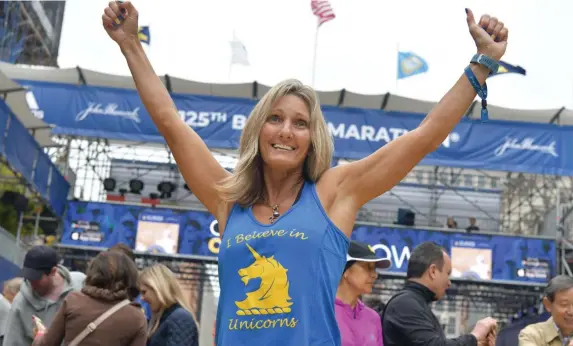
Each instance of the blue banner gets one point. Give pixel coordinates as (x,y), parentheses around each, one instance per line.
(158,230)
(119,114)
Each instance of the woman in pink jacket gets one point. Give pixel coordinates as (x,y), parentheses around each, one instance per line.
(359,325)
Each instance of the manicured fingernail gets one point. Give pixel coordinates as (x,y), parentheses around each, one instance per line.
(123,10)
(466,11)
(120,1)
(117,21)
(120,17)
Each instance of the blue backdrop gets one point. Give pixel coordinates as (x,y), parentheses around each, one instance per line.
(8,270)
(119,114)
(513,258)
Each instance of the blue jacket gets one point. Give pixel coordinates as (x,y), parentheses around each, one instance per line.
(176,328)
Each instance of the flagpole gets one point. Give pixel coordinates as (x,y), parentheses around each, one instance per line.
(231,60)
(314,57)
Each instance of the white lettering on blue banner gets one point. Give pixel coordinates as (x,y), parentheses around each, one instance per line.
(527,144)
(110,109)
(155,218)
(120,114)
(397,259)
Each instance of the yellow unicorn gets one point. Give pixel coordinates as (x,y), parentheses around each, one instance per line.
(272,296)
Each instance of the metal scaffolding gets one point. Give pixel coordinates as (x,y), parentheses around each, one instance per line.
(31,31)
(527,203)
(90,161)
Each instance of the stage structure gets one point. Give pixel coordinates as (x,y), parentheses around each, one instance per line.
(31,183)
(32,187)
(109,123)
(30,31)
(492,274)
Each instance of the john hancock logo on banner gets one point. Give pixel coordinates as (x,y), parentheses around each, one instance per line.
(110,109)
(527,144)
(86,231)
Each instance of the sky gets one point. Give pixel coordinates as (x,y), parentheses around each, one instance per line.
(190,39)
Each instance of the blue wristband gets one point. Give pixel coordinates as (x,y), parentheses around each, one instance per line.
(480,90)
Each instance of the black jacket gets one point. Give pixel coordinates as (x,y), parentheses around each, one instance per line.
(408,320)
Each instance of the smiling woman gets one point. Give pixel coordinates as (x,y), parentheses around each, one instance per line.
(280,288)
(278,135)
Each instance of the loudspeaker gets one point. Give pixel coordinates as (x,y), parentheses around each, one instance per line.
(406,217)
(49,227)
(19,201)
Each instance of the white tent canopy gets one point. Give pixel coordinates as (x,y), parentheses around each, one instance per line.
(340,98)
(15,97)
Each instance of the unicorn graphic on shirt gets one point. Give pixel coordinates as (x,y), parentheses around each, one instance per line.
(272,296)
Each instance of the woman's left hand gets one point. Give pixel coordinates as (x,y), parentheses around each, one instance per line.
(490,35)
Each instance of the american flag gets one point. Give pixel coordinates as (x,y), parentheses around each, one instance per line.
(322,10)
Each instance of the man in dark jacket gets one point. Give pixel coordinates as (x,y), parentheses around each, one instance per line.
(408,319)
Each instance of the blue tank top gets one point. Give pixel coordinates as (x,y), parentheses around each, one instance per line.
(278,282)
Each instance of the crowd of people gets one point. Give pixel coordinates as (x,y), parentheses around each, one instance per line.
(104,306)
(50,305)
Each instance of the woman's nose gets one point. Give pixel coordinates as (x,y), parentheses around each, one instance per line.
(286,131)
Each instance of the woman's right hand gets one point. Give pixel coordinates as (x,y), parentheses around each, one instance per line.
(120,21)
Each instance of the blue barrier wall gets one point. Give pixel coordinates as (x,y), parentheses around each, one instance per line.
(8,270)
(25,156)
(191,232)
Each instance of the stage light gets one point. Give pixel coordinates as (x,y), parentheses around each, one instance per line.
(109,184)
(135,186)
(166,188)
(153,195)
(122,192)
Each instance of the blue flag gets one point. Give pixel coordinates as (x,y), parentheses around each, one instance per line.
(410,64)
(143,34)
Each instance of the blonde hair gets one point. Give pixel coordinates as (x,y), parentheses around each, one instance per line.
(245,185)
(13,285)
(168,291)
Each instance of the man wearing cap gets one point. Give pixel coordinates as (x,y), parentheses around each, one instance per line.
(46,284)
(359,325)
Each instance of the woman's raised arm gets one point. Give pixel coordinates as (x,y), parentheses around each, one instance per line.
(361,181)
(196,163)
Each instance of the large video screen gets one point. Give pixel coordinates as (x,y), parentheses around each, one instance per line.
(157,233)
(471,259)
(474,256)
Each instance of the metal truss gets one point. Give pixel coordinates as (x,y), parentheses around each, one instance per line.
(525,203)
(38,28)
(529,200)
